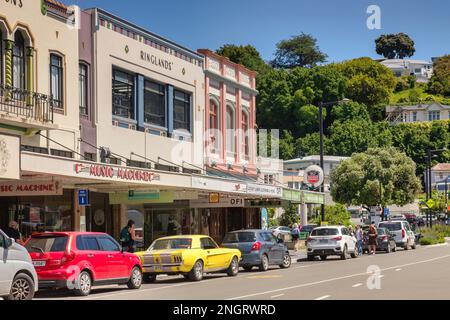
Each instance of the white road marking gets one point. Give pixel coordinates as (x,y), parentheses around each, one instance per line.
(334,279)
(357,285)
(323,298)
(381,276)
(399,269)
(277,296)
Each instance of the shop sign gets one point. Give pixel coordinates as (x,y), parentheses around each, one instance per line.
(314,176)
(143,195)
(17,3)
(8,189)
(263,204)
(9,157)
(117,173)
(124,198)
(214,198)
(264,190)
(232,202)
(218,185)
(154,60)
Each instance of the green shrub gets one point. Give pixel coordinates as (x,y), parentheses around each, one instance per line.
(427,241)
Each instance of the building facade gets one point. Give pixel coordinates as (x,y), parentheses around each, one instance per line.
(421,69)
(417,113)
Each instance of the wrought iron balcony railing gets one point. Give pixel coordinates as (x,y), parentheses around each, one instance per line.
(31,105)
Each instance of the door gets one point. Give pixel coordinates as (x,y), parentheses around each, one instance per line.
(95,256)
(115,259)
(351,245)
(5,271)
(214,255)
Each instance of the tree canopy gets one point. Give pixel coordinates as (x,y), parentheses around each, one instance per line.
(247,55)
(298,51)
(395,46)
(377,177)
(440,81)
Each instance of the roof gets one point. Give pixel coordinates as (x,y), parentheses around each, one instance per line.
(207,52)
(441,167)
(404,61)
(57,4)
(316,158)
(193,236)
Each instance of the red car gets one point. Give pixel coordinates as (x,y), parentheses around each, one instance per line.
(80,260)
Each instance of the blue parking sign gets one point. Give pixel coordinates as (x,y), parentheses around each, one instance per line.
(386,212)
(83,198)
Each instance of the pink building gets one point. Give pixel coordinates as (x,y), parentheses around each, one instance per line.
(230,116)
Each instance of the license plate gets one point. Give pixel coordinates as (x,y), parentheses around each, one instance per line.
(323,241)
(39,263)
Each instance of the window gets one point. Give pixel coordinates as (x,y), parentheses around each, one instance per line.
(214,122)
(414,116)
(47,244)
(155,103)
(61,153)
(108,244)
(89,156)
(182,111)
(230,131)
(208,243)
(19,61)
(87,243)
(56,80)
(245,127)
(434,115)
(123,94)
(83,88)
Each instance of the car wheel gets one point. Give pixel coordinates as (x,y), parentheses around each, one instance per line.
(388,249)
(264,265)
(135,281)
(414,246)
(248,268)
(323,258)
(22,288)
(196,273)
(286,261)
(406,247)
(344,253)
(354,254)
(394,249)
(83,286)
(310,257)
(149,278)
(233,269)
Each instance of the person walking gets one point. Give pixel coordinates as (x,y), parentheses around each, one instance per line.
(359,238)
(128,237)
(373,234)
(13,232)
(295,235)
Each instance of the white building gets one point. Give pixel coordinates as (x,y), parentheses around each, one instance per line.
(423,70)
(415,113)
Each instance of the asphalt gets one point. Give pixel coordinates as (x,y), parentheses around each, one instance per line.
(406,275)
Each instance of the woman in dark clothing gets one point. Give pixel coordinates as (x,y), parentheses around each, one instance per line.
(373,234)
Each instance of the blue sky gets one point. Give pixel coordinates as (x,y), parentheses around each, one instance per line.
(339,25)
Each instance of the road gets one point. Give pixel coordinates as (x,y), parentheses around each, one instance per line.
(408,275)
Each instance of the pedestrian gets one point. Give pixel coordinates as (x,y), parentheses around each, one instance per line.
(173,227)
(128,237)
(359,238)
(13,231)
(373,234)
(295,232)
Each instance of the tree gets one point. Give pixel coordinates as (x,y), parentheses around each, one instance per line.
(310,145)
(287,146)
(306,120)
(290,216)
(368,81)
(247,55)
(337,215)
(350,111)
(378,177)
(299,51)
(395,46)
(440,81)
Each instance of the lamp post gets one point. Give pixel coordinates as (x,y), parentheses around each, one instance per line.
(430,154)
(321,105)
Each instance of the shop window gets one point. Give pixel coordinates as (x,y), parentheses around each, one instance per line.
(182,111)
(83,88)
(123,94)
(155,103)
(231,143)
(61,153)
(19,61)
(56,80)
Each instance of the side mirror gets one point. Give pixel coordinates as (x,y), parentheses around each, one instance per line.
(8,243)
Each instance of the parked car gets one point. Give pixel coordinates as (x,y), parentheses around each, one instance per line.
(404,236)
(308,228)
(18,278)
(331,241)
(397,217)
(385,241)
(259,248)
(81,260)
(188,255)
(276,231)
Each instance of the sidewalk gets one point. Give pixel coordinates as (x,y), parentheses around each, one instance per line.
(298,256)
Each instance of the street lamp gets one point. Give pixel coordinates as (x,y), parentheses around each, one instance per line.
(430,154)
(321,105)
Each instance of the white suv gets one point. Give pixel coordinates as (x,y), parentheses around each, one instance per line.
(18,278)
(403,234)
(331,241)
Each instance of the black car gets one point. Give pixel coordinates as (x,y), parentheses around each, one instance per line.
(385,241)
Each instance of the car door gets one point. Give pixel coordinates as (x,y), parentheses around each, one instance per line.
(348,239)
(409,233)
(271,247)
(95,256)
(117,268)
(5,272)
(214,255)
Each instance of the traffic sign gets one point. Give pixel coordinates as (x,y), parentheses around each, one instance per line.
(430,203)
(83,198)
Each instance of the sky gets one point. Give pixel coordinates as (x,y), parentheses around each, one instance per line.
(340,26)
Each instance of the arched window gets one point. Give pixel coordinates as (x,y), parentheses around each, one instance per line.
(19,61)
(230,130)
(245,133)
(214,127)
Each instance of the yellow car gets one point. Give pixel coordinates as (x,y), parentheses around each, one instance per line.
(191,256)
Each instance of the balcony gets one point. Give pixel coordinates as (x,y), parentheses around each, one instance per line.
(24,109)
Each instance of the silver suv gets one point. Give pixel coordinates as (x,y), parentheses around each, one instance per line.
(331,241)
(18,278)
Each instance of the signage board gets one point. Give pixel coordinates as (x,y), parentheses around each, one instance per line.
(232,202)
(123,198)
(314,176)
(83,198)
(143,195)
(218,185)
(264,190)
(9,157)
(430,203)
(214,198)
(264,219)
(30,188)
(115,173)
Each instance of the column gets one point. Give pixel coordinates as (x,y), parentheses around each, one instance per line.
(252,134)
(239,132)
(206,126)
(170,109)
(303,214)
(8,66)
(140,102)
(223,118)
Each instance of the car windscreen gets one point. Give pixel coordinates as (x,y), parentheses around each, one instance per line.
(308,228)
(236,237)
(47,244)
(325,232)
(381,231)
(164,244)
(391,226)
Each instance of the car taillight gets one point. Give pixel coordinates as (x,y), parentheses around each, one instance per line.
(256,246)
(384,238)
(68,256)
(337,238)
(403,233)
(309,239)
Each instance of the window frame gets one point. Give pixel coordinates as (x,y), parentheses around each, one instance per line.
(187,111)
(163,94)
(22,58)
(245,126)
(132,76)
(58,104)
(81,65)
(232,127)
